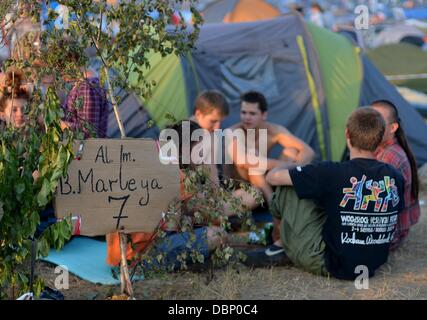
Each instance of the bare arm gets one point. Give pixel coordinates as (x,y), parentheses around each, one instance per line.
(279,177)
(304,153)
(243,159)
(274,163)
(260,182)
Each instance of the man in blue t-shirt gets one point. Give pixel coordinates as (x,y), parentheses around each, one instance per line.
(348,224)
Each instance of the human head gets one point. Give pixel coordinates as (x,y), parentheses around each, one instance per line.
(253,109)
(211,108)
(365,129)
(394,130)
(390,115)
(71,65)
(297,8)
(315,7)
(13,100)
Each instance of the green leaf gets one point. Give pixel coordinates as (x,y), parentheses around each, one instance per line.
(139,37)
(56,174)
(1,210)
(22,278)
(55,233)
(19,188)
(42,247)
(42,197)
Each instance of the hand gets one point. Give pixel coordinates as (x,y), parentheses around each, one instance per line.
(36,175)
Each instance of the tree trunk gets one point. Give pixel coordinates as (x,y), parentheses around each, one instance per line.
(126,285)
(114,103)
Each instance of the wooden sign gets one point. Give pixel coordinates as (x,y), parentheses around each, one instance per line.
(117,185)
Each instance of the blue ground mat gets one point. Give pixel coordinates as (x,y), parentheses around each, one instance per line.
(84,257)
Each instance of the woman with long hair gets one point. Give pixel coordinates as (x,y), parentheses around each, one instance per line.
(395,151)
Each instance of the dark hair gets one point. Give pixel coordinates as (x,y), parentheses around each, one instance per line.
(317,6)
(255,97)
(298,8)
(402,141)
(13,89)
(366,128)
(210,100)
(178,126)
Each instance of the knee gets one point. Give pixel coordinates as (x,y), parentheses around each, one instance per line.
(248,199)
(278,201)
(216,237)
(250,203)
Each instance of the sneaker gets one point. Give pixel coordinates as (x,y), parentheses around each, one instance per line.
(258,258)
(274,250)
(51,294)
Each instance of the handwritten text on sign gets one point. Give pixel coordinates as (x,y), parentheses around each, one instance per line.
(117,184)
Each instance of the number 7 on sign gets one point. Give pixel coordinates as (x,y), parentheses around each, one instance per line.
(124,198)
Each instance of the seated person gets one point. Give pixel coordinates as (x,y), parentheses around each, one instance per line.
(210,108)
(253,115)
(339,217)
(206,239)
(395,150)
(13,101)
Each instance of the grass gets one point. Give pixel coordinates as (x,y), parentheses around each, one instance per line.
(403,277)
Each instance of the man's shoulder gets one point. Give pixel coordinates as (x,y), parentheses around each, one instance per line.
(385,167)
(320,166)
(392,171)
(273,127)
(89,84)
(274,130)
(381,169)
(393,154)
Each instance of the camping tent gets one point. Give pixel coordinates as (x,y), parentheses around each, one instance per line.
(397,33)
(417,99)
(404,62)
(416,13)
(239,11)
(310,88)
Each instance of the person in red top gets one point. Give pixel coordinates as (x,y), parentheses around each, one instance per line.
(86,107)
(93,108)
(395,151)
